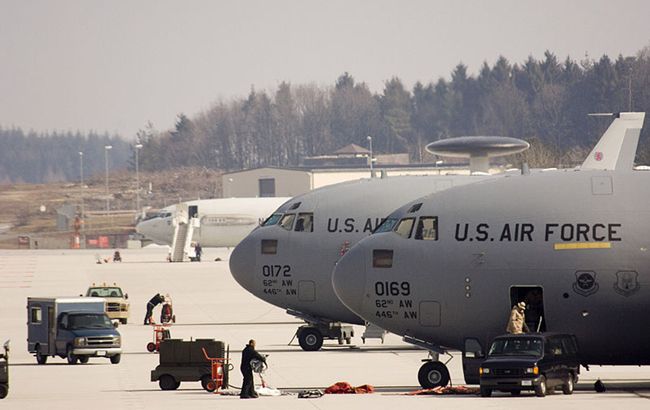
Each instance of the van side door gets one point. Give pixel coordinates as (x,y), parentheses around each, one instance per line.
(62,334)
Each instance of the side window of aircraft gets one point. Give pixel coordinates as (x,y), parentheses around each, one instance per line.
(427,228)
(404,227)
(269,246)
(387,225)
(272,220)
(305,222)
(382,258)
(287,221)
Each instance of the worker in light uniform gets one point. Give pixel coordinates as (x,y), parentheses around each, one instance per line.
(517,322)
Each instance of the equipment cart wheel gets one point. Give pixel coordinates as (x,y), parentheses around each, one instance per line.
(83,359)
(167,382)
(310,339)
(72,359)
(207,383)
(151,347)
(433,374)
(116,359)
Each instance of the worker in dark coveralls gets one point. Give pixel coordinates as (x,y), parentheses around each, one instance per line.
(248,387)
(153,302)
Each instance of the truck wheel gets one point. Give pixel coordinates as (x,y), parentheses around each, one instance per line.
(124,321)
(4,390)
(83,359)
(167,382)
(433,374)
(116,359)
(151,347)
(540,389)
(40,357)
(486,392)
(72,359)
(567,387)
(310,339)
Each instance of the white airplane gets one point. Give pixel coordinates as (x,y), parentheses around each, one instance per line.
(223,222)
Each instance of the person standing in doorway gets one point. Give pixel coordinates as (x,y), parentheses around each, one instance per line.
(517,322)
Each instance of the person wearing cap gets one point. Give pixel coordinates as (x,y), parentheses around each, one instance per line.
(517,322)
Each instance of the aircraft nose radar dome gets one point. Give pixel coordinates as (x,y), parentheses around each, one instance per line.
(349,279)
(242,262)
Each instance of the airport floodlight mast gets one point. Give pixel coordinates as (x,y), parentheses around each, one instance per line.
(106,149)
(370,158)
(138,146)
(81,183)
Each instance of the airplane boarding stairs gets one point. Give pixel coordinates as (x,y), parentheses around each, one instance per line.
(183,233)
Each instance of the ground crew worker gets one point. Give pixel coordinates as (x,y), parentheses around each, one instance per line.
(155,301)
(517,322)
(248,387)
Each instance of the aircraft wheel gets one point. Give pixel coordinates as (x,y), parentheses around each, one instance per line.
(83,359)
(540,389)
(486,392)
(433,374)
(72,359)
(167,382)
(310,339)
(567,388)
(40,357)
(4,390)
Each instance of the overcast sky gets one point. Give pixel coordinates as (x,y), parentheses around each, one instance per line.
(114,65)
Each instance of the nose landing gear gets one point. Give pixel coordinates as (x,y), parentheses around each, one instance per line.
(433,374)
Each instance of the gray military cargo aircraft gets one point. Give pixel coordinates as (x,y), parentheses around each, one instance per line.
(444,271)
(289,260)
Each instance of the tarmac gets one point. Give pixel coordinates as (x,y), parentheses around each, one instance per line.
(208,303)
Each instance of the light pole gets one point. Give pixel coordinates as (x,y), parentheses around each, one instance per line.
(81,186)
(369,138)
(137,179)
(106,149)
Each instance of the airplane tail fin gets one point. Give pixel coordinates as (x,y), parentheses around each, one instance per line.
(616,149)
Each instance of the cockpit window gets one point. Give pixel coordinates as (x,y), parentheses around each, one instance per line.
(415,208)
(287,221)
(404,227)
(272,220)
(294,206)
(305,222)
(386,225)
(427,228)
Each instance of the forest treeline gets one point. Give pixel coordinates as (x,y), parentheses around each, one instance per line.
(545,101)
(54,157)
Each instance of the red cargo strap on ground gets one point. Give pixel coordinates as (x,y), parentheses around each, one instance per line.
(346,388)
(446,390)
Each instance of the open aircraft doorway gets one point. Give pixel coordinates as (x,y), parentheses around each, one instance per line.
(533,297)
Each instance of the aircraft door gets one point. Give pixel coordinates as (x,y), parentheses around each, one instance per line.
(193,211)
(51,329)
(473,356)
(533,296)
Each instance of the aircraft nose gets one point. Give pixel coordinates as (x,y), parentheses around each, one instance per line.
(242,262)
(349,279)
